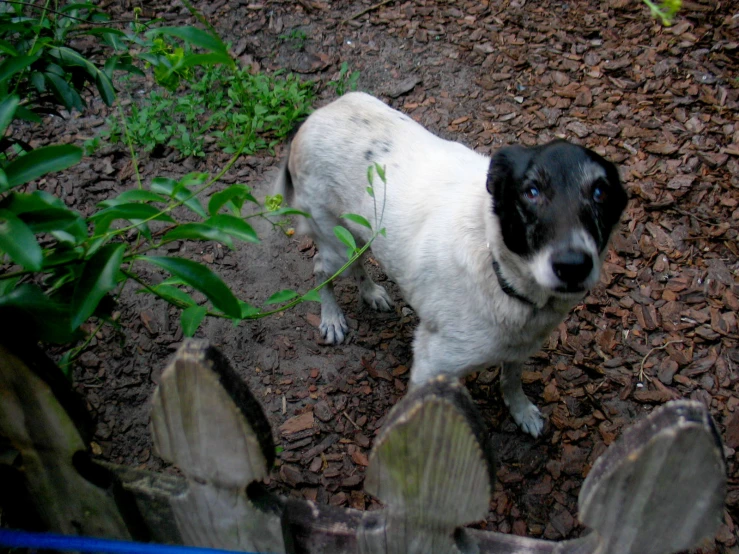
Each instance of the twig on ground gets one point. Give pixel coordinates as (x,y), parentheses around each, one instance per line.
(351,421)
(642,376)
(367,10)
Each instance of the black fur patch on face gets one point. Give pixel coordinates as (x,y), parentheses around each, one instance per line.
(541,193)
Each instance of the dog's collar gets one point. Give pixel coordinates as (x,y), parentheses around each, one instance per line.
(507,288)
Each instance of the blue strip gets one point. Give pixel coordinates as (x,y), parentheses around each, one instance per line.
(51,541)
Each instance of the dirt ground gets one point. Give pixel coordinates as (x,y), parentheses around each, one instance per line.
(660,102)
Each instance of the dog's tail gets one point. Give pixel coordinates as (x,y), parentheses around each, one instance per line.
(284,183)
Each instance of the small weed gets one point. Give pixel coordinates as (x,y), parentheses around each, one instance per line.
(224,104)
(90,146)
(666,11)
(295,38)
(346,81)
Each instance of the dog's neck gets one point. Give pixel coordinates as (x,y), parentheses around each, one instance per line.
(507,288)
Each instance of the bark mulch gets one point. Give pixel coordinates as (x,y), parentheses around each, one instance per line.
(661,325)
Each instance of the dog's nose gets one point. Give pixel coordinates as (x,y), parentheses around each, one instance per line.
(572,267)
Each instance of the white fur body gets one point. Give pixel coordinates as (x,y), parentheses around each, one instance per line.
(441,239)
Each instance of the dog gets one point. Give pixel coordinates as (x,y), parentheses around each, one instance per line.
(491,253)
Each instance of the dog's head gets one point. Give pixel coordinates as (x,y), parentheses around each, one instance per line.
(557,205)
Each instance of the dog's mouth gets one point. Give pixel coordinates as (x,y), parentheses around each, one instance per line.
(570,289)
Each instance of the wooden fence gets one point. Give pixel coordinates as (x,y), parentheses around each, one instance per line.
(659,489)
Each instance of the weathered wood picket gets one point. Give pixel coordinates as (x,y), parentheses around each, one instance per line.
(659,489)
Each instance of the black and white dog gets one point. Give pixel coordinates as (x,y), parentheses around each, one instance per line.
(491,254)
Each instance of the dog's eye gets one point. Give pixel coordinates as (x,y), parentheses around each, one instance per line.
(532,194)
(599,194)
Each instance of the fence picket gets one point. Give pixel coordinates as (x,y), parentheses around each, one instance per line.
(46,424)
(206,422)
(432,468)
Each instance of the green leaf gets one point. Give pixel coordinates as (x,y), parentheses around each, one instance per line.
(27,115)
(247,310)
(105,87)
(235,193)
(7,285)
(99,276)
(191,319)
(19,242)
(173,295)
(102,31)
(197,231)
(65,56)
(134,195)
(65,94)
(180,192)
(358,219)
(206,59)
(311,296)
(41,161)
(234,226)
(380,172)
(288,211)
(63,256)
(194,36)
(345,236)
(371,191)
(370,175)
(13,65)
(282,296)
(7,112)
(131,212)
(20,203)
(74,233)
(200,278)
(8,48)
(45,213)
(40,316)
(50,220)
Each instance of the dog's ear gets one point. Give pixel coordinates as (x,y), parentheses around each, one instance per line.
(507,167)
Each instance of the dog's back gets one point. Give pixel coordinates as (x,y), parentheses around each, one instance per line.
(328,161)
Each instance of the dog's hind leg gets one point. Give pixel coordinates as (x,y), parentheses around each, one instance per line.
(370,292)
(525,414)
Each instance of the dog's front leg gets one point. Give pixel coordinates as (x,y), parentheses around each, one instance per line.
(525,414)
(333,326)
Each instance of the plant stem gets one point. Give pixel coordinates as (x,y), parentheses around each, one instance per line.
(129,143)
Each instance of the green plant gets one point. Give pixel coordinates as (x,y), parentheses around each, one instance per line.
(40,67)
(224,103)
(296,38)
(666,11)
(86,263)
(56,274)
(61,268)
(345,81)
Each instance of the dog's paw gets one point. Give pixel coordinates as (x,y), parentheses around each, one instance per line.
(378,299)
(333,329)
(528,418)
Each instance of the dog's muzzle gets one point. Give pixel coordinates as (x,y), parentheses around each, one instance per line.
(573,268)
